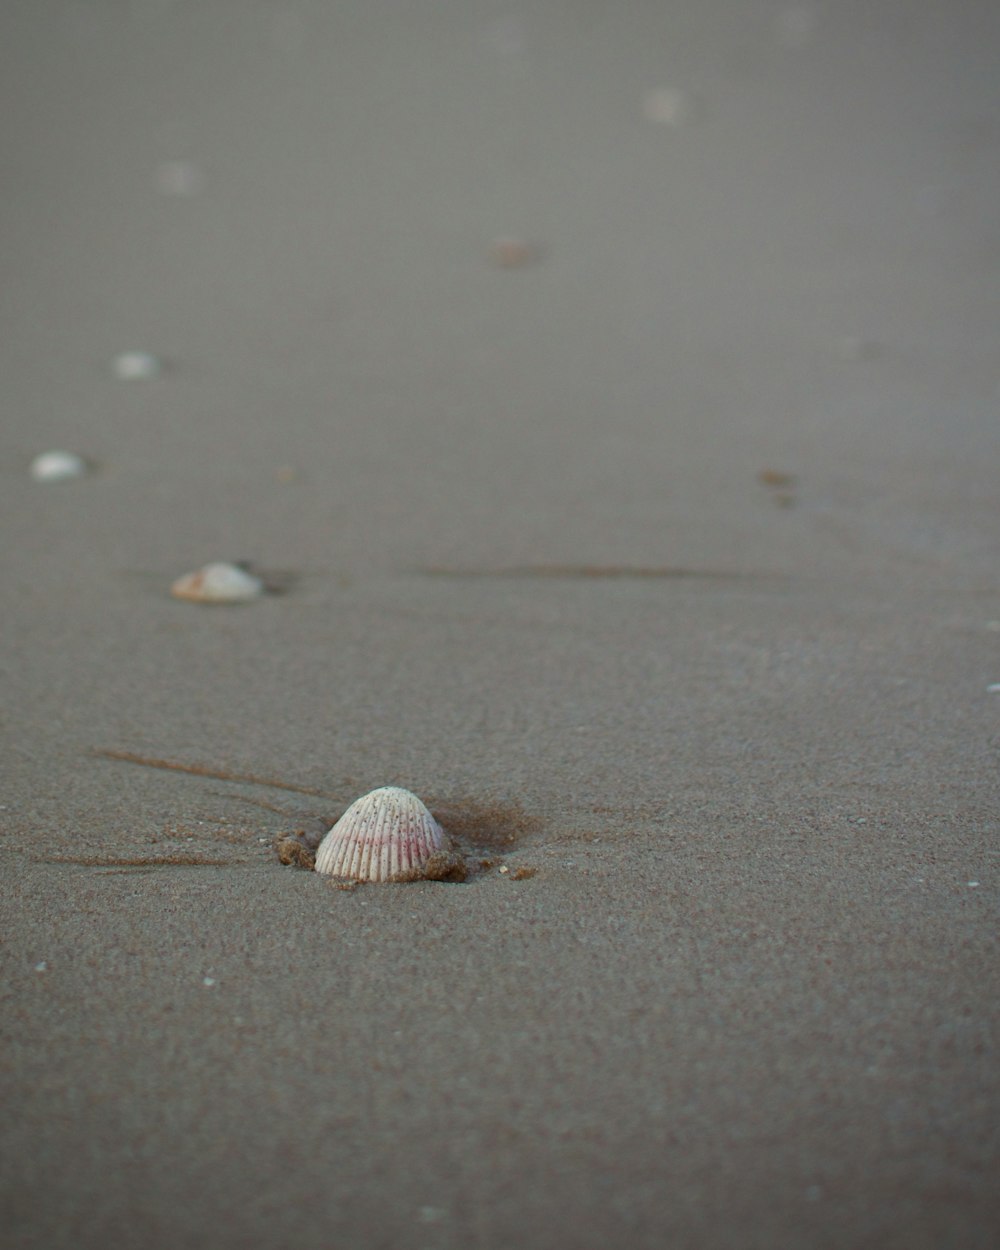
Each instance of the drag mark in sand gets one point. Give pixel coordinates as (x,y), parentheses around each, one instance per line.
(474,825)
(134,861)
(581,572)
(218,774)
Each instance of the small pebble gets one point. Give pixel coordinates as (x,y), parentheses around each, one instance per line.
(135,366)
(513,253)
(57,466)
(994,688)
(41,967)
(972,884)
(669,106)
(218,583)
(208,982)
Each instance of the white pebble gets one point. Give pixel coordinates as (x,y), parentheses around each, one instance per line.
(57,466)
(218,583)
(42,966)
(135,366)
(669,106)
(208,982)
(179,178)
(972,884)
(994,688)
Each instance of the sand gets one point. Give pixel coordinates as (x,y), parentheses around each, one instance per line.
(607,395)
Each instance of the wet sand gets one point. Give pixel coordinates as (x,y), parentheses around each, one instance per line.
(659,557)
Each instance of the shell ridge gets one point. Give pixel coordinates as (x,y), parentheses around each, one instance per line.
(364,835)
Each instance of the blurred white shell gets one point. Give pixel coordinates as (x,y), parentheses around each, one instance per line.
(57,466)
(135,366)
(387,835)
(218,583)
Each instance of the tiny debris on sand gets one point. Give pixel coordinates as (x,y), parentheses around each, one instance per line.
(294,849)
(445,866)
(514,253)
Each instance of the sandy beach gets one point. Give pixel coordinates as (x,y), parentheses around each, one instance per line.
(608,396)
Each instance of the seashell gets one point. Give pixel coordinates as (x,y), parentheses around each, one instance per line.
(388,835)
(57,466)
(218,583)
(135,366)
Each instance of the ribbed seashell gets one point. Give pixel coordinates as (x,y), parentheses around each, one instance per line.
(218,583)
(388,835)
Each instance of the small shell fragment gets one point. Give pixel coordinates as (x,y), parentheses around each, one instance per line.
(218,583)
(57,466)
(135,366)
(388,835)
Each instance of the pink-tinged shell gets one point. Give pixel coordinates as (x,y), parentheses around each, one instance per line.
(387,835)
(218,583)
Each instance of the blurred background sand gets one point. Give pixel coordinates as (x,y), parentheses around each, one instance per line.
(662,559)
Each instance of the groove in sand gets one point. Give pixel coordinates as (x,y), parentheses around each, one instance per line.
(134,861)
(219,774)
(595,572)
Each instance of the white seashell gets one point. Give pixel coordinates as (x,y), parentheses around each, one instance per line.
(57,466)
(218,583)
(135,366)
(387,835)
